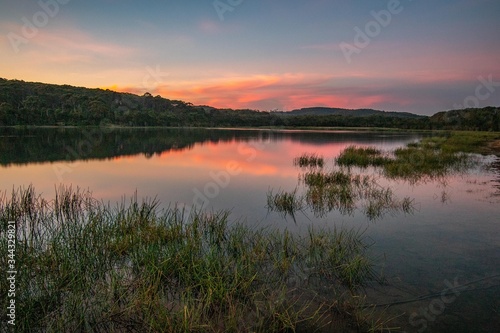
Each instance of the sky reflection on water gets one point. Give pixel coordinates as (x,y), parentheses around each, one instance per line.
(454,232)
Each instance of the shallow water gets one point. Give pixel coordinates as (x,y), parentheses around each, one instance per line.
(452,240)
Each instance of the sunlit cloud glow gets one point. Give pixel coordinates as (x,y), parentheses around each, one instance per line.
(262,55)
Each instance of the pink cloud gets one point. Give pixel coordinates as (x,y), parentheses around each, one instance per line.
(70,45)
(281,91)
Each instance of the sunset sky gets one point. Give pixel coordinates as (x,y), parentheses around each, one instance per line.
(417,56)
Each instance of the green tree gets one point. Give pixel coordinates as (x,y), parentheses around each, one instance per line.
(7,116)
(31,107)
(97,112)
(496,121)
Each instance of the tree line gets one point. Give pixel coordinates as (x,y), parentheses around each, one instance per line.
(38,104)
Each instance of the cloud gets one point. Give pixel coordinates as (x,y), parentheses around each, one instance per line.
(63,46)
(284,92)
(297,90)
(244,92)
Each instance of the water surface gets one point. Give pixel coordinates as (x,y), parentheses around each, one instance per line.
(451,240)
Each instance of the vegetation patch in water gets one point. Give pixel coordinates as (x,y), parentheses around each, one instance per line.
(284,202)
(309,160)
(340,190)
(429,159)
(361,157)
(425,162)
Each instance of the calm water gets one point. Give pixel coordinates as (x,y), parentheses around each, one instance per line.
(451,240)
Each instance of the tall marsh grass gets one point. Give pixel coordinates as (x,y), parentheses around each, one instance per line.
(361,157)
(430,159)
(309,160)
(87,266)
(285,202)
(339,189)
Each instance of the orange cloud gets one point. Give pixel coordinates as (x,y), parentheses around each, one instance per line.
(243,92)
(286,91)
(265,92)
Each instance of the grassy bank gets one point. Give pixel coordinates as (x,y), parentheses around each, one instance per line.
(85,266)
(469,142)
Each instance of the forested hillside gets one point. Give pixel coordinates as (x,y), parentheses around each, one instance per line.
(324,111)
(26,103)
(486,119)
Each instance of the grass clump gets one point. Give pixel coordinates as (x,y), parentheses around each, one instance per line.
(284,202)
(432,158)
(309,160)
(361,157)
(339,256)
(343,191)
(466,142)
(85,266)
(425,162)
(339,190)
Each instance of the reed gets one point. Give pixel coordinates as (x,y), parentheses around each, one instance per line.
(361,157)
(338,189)
(287,203)
(430,159)
(309,160)
(86,266)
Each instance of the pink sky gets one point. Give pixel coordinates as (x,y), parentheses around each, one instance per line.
(266,56)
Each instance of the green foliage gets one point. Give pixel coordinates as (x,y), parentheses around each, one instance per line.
(25,103)
(309,160)
(464,141)
(361,156)
(285,202)
(342,190)
(339,190)
(431,158)
(485,119)
(85,266)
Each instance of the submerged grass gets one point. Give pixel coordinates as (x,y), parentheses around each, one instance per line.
(431,158)
(342,190)
(361,157)
(339,190)
(85,266)
(309,160)
(284,202)
(425,162)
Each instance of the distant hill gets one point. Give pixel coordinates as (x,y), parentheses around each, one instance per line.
(326,111)
(485,119)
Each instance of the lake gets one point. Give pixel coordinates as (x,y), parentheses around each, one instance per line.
(441,263)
